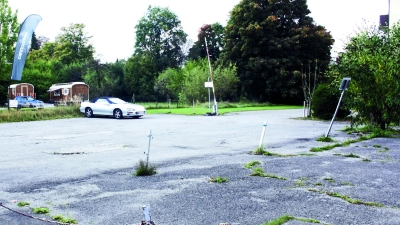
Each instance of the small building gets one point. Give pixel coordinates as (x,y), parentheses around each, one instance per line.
(64,93)
(22,89)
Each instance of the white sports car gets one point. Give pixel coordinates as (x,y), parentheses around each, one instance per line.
(110,106)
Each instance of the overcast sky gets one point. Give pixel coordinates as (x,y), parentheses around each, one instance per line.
(111,23)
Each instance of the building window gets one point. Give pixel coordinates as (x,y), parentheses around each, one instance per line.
(57,92)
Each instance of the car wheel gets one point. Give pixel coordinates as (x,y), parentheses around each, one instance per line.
(88,112)
(117,114)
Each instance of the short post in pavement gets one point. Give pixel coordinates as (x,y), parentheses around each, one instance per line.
(262,134)
(148,150)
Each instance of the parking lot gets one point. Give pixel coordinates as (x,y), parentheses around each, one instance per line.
(82,167)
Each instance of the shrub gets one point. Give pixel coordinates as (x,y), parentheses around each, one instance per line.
(324,102)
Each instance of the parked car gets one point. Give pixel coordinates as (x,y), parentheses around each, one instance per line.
(28,102)
(111,106)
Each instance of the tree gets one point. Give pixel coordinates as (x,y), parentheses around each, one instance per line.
(268,41)
(160,33)
(187,83)
(140,73)
(35,45)
(214,34)
(371,59)
(9,28)
(73,45)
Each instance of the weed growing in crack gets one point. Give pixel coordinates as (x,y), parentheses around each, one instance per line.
(252,164)
(219,179)
(22,204)
(142,169)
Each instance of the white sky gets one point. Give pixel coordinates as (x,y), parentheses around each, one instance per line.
(111,23)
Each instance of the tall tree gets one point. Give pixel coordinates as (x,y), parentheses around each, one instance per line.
(9,28)
(160,33)
(35,45)
(269,40)
(73,45)
(139,76)
(214,34)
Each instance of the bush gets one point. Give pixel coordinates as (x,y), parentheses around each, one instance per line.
(324,102)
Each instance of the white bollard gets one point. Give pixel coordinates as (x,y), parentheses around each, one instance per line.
(262,134)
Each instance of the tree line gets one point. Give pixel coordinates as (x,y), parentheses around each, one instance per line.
(255,57)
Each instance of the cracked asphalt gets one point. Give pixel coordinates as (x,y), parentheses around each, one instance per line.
(82,168)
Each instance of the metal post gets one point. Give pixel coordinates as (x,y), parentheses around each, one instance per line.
(334,115)
(148,150)
(262,134)
(209,98)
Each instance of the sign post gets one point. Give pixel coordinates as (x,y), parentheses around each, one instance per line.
(343,87)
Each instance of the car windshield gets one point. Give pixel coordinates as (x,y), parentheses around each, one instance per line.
(117,100)
(30,99)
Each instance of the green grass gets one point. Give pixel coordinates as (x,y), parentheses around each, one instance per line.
(202,110)
(22,204)
(41,210)
(145,170)
(252,164)
(259,172)
(259,151)
(62,219)
(28,114)
(62,112)
(325,139)
(351,155)
(347,198)
(376,132)
(219,179)
(286,218)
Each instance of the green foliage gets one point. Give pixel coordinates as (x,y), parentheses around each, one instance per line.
(60,218)
(159,32)
(140,73)
(214,35)
(371,60)
(219,179)
(41,210)
(73,45)
(252,164)
(269,43)
(325,100)
(259,151)
(258,171)
(9,28)
(142,169)
(22,204)
(187,83)
(325,139)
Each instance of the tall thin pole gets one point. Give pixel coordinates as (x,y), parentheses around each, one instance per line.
(212,80)
(334,115)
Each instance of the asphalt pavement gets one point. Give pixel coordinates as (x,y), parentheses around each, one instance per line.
(82,168)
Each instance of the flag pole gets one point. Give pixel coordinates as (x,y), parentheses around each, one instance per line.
(212,79)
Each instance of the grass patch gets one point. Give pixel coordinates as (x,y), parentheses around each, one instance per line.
(325,139)
(145,170)
(202,109)
(351,155)
(347,184)
(41,210)
(347,198)
(22,204)
(286,218)
(331,180)
(219,179)
(386,149)
(62,219)
(252,164)
(259,172)
(366,160)
(259,151)
(28,114)
(377,146)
